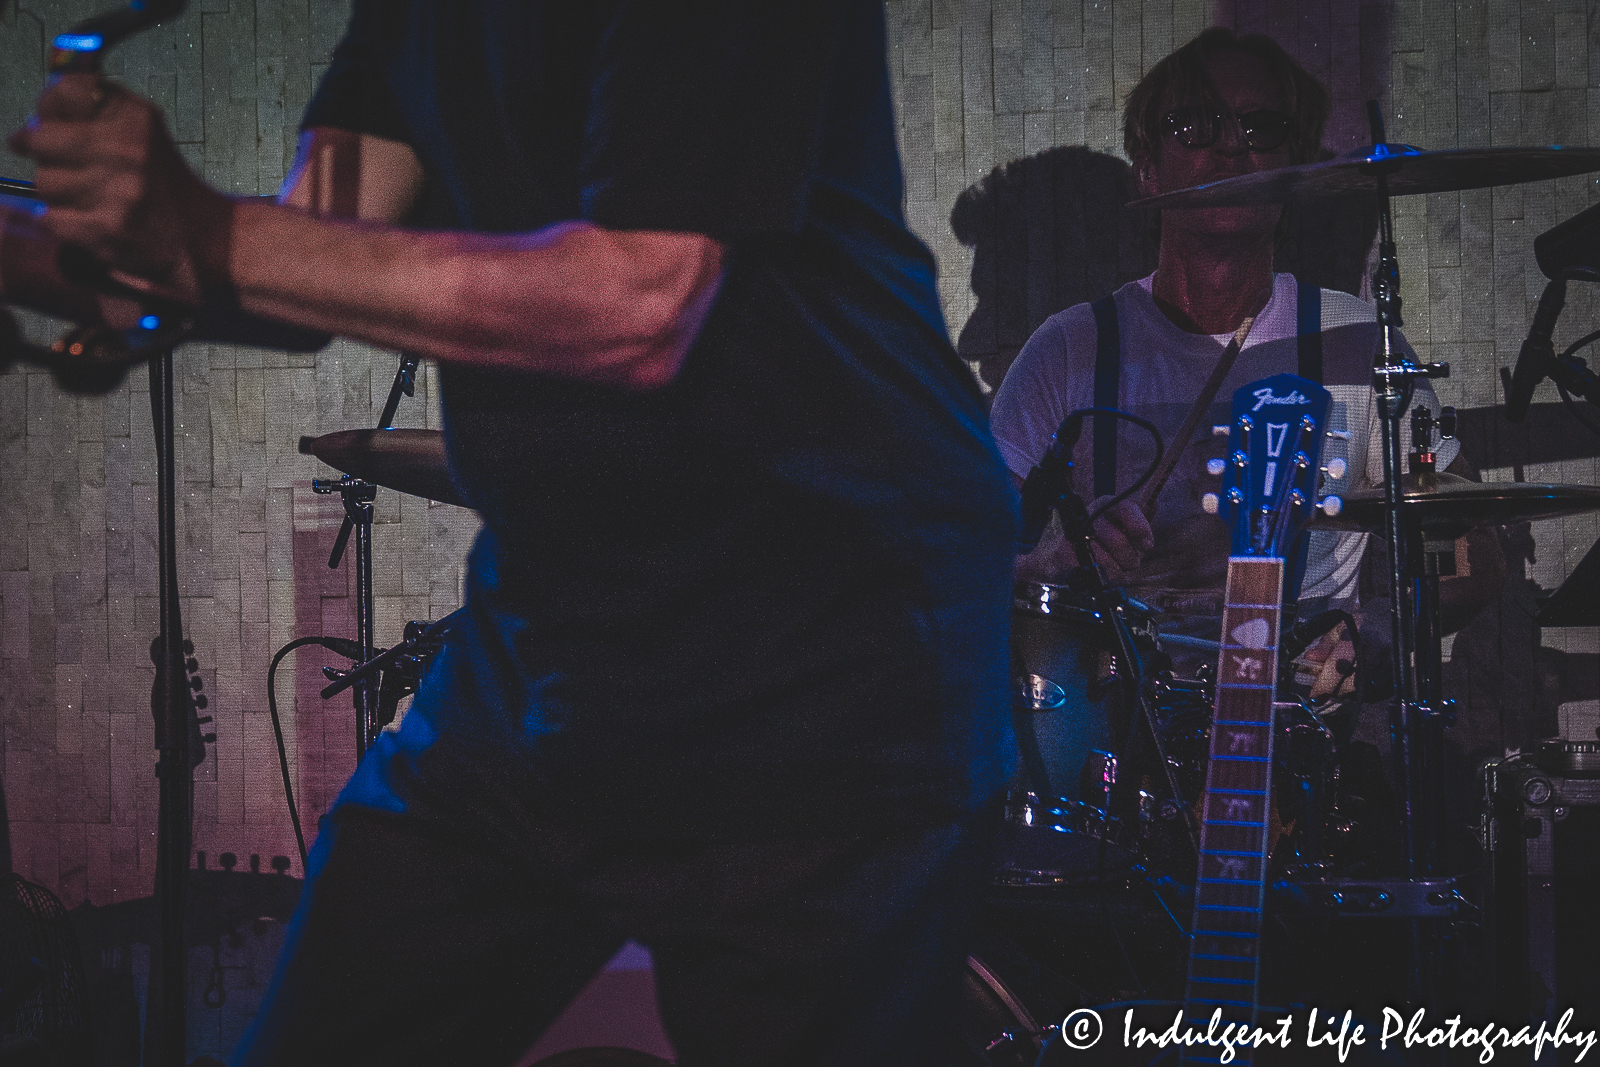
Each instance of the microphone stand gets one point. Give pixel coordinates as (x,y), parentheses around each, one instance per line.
(1393,379)
(174,770)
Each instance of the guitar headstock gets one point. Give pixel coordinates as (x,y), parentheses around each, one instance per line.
(1269,479)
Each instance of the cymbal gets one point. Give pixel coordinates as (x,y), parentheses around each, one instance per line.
(1410,170)
(1448,506)
(411,461)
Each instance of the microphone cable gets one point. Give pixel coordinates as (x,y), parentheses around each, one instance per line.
(343,646)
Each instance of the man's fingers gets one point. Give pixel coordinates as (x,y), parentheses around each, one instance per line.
(58,142)
(82,228)
(1114,544)
(1128,518)
(78,97)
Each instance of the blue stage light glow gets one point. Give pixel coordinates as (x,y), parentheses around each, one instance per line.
(80,42)
(149,322)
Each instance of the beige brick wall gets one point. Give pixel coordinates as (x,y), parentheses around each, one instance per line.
(979,84)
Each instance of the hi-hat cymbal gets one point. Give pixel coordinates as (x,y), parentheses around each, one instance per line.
(1447,506)
(1409,170)
(411,461)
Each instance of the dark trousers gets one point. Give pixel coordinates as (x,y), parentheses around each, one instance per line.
(420,942)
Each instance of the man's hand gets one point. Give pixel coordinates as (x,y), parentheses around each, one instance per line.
(1119,541)
(1120,538)
(118,188)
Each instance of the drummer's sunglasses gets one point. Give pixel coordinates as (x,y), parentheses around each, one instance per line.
(1196,127)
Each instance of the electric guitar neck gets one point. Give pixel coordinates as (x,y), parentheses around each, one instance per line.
(1277,429)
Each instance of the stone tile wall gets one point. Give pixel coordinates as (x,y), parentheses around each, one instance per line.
(1034,86)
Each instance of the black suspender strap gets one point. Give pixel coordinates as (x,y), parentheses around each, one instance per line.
(1107,369)
(1308,341)
(1308,330)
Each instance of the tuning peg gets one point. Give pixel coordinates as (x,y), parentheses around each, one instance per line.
(1330,505)
(1341,435)
(1335,468)
(1210,503)
(209,739)
(1215,467)
(201,703)
(197,684)
(1221,431)
(191,665)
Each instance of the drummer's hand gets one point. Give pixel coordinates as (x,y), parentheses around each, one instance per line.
(1120,538)
(117,186)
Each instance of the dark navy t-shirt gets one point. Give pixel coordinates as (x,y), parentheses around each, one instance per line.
(785,574)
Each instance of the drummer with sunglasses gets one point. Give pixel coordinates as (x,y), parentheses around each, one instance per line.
(1218,107)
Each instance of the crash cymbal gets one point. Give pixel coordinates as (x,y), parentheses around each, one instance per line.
(411,461)
(1448,506)
(1409,170)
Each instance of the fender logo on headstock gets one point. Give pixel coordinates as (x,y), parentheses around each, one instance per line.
(1265,396)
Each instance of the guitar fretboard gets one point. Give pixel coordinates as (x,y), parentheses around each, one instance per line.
(1224,955)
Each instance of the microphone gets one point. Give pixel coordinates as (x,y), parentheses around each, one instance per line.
(93,360)
(1538,354)
(1049,480)
(1571,249)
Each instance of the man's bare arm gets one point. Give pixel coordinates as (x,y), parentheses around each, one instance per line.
(573,300)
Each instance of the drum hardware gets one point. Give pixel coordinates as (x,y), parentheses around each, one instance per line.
(1540,818)
(1569,759)
(1354,898)
(358,497)
(414,458)
(420,643)
(1387,170)
(1441,504)
(1048,488)
(407,461)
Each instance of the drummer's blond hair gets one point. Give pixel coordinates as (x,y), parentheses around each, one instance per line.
(1184,73)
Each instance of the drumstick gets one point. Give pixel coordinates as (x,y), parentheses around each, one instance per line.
(1180,441)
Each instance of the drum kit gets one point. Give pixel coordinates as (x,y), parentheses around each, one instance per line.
(1095,811)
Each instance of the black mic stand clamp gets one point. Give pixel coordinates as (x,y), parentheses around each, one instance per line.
(402,676)
(358,496)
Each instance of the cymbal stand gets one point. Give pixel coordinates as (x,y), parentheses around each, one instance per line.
(1393,380)
(358,496)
